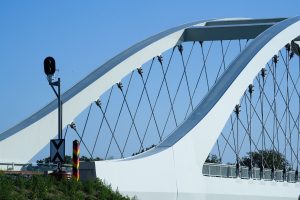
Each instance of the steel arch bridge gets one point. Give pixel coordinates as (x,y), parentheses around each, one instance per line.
(222,87)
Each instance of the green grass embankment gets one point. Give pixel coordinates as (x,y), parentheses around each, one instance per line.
(47,188)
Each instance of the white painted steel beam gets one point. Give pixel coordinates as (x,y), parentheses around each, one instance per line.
(232,32)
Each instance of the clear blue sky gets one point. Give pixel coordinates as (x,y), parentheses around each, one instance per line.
(82,35)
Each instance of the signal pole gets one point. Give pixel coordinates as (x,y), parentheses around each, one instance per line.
(49,69)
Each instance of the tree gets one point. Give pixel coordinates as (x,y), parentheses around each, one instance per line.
(86,159)
(280,162)
(212,158)
(68,159)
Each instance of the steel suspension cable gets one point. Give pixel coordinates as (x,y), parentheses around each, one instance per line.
(203,68)
(228,137)
(233,136)
(232,148)
(231,132)
(180,48)
(263,74)
(286,116)
(138,105)
(87,118)
(98,103)
(278,122)
(237,112)
(276,118)
(286,63)
(176,93)
(102,120)
(296,174)
(247,119)
(291,78)
(223,59)
(275,130)
(260,120)
(264,122)
(204,65)
(256,146)
(240,45)
(288,48)
(250,89)
(151,107)
(160,59)
(119,114)
(131,116)
(166,83)
(66,131)
(288,110)
(73,126)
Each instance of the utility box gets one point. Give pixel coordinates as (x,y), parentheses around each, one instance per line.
(87,171)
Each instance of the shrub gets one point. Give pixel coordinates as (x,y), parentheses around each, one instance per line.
(48,188)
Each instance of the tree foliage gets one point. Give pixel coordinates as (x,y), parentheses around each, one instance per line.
(212,158)
(68,159)
(267,158)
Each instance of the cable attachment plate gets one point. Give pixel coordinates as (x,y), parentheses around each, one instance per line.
(251,88)
(263,72)
(180,48)
(140,71)
(275,59)
(120,86)
(295,48)
(201,43)
(288,47)
(73,125)
(160,59)
(98,103)
(237,109)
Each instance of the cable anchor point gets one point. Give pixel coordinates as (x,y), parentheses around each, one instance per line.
(288,47)
(120,86)
(98,103)
(73,126)
(251,88)
(160,59)
(275,59)
(237,109)
(201,43)
(140,71)
(263,72)
(180,48)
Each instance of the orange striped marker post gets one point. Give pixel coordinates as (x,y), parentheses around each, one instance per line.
(75,160)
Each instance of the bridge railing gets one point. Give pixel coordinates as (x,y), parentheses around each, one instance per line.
(36,167)
(229,171)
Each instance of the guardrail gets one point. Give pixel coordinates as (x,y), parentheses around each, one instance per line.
(230,171)
(36,167)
